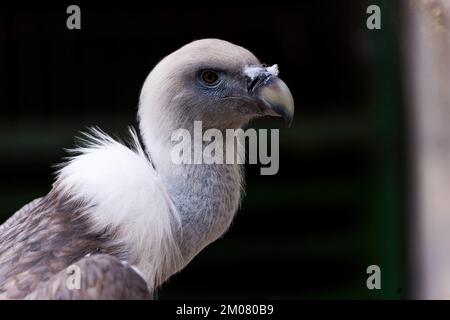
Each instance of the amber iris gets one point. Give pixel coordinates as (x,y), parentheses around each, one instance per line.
(210,77)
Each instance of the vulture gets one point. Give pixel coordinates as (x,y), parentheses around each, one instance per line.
(125,214)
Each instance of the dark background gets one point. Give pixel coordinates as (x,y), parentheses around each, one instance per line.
(337,204)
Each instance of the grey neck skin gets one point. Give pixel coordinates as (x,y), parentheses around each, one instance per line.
(205,195)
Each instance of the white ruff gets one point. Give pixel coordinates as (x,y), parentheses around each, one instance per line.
(123,192)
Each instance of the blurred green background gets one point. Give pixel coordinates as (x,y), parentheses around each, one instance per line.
(337,204)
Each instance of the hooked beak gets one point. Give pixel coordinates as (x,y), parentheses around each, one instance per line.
(278,99)
(273,95)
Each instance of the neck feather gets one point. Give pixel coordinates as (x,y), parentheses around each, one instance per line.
(162,218)
(206,195)
(122,192)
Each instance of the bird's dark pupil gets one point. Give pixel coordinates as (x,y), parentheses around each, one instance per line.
(209,77)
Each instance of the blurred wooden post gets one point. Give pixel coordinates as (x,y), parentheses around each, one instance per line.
(427,94)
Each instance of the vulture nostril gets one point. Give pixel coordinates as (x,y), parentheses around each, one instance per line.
(258,81)
(253,83)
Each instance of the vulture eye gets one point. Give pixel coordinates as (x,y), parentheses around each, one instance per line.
(209,77)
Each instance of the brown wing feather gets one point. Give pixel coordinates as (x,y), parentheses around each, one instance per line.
(101,277)
(20,214)
(43,239)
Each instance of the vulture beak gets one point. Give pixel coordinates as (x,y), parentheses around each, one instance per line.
(273,95)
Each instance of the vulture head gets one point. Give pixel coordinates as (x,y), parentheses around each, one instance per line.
(215,81)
